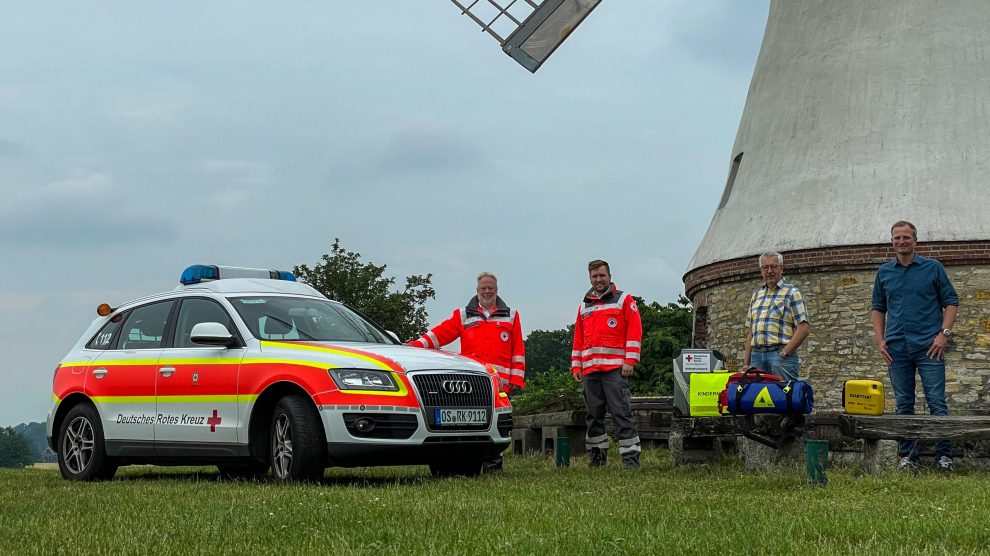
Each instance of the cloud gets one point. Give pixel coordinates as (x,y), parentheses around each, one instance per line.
(426,150)
(152,107)
(82,210)
(711,33)
(9,96)
(11,149)
(24,302)
(243,172)
(415,152)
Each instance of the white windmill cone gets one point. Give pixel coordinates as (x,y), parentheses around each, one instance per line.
(859,114)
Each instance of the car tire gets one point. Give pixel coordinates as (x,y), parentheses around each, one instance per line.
(82,454)
(243,471)
(467,468)
(297,447)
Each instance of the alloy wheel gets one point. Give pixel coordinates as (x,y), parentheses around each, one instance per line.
(78,445)
(282,446)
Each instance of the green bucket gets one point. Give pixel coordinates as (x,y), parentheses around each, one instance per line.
(563,451)
(816,458)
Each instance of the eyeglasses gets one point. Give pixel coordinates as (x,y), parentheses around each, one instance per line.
(770,267)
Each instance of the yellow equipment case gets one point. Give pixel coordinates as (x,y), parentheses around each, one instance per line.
(704,391)
(863,397)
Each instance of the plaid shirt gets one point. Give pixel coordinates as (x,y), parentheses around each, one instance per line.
(775,312)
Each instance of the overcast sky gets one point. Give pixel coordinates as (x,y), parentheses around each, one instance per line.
(137,138)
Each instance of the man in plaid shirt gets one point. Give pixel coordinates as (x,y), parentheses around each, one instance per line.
(777,323)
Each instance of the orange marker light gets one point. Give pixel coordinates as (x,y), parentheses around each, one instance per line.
(104,309)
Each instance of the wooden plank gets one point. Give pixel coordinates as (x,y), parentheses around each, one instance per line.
(658,403)
(823,419)
(708,426)
(558,419)
(553,405)
(923,427)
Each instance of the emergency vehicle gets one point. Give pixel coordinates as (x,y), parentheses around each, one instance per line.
(251,370)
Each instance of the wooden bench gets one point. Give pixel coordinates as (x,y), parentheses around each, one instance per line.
(537,433)
(760,440)
(880,433)
(699,439)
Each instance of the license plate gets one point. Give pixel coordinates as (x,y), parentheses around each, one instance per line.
(460,417)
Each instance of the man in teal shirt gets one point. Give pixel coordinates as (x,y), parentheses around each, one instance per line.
(914,308)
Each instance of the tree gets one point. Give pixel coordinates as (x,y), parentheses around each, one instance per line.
(15,450)
(342,276)
(548,350)
(666,329)
(36,436)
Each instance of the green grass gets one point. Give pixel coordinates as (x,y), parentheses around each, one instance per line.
(533,508)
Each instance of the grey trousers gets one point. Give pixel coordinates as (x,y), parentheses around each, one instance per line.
(609,389)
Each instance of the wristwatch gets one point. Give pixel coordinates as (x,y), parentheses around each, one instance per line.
(948,332)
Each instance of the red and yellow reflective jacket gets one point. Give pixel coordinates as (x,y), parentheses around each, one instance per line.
(607,333)
(494,339)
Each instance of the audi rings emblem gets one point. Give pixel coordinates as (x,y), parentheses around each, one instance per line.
(456,386)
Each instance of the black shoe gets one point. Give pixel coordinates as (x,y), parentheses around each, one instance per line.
(908,463)
(492,466)
(599,458)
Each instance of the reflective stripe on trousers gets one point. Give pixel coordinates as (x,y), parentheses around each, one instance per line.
(600,441)
(629,445)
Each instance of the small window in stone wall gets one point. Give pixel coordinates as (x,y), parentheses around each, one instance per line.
(732,179)
(699,337)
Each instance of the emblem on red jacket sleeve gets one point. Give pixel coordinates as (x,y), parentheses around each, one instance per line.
(505,336)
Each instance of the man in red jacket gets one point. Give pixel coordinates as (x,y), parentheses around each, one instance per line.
(607,338)
(490,333)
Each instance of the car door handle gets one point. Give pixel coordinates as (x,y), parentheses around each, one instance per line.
(166,371)
(99,373)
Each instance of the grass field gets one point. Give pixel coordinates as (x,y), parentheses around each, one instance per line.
(533,508)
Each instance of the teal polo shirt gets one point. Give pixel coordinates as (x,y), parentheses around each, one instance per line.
(913,297)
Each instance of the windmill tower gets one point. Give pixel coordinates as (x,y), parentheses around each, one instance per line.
(859,114)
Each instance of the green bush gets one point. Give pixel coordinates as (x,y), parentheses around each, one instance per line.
(546,386)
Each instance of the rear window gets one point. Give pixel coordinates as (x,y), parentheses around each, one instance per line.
(144,327)
(104,338)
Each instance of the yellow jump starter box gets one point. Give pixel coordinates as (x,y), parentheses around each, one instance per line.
(863,397)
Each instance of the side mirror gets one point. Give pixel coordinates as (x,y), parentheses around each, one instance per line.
(212,334)
(394,336)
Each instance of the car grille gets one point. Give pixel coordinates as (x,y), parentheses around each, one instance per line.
(434,397)
(430,388)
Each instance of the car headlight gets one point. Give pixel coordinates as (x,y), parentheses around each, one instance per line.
(360,379)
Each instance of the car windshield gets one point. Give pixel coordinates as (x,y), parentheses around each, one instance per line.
(283,318)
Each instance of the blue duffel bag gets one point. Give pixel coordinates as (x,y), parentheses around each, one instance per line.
(756,391)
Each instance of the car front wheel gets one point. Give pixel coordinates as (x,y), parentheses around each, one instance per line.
(82,454)
(298,448)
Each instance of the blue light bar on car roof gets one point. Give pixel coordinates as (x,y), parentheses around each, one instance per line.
(204,273)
